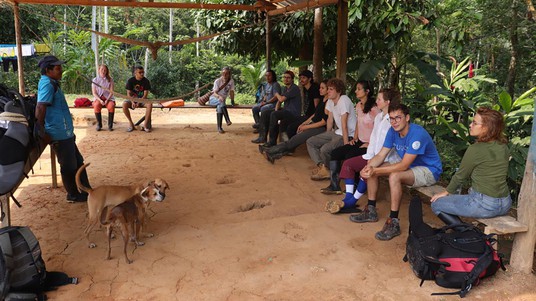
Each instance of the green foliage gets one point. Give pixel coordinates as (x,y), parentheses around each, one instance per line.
(253,75)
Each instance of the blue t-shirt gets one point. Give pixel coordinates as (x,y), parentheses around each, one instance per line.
(58,120)
(416,142)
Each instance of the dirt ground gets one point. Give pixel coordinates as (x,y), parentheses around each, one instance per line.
(232,227)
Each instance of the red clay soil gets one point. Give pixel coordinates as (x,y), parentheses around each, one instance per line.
(232,227)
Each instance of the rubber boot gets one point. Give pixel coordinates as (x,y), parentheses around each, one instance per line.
(226,115)
(334,185)
(99,121)
(219,117)
(110,121)
(449,219)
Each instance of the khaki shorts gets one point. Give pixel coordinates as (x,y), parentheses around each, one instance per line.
(423,176)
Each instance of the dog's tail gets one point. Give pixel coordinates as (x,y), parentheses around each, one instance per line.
(78,182)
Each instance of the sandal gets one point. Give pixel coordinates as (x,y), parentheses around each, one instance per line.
(130,129)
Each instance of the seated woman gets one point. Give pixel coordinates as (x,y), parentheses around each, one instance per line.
(102,89)
(486,164)
(353,166)
(313,126)
(366,111)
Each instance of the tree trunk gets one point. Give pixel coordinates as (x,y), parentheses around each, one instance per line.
(511,79)
(523,249)
(394,73)
(318,45)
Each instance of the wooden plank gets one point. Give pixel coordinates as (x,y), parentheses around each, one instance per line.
(429,191)
(503,225)
(147,4)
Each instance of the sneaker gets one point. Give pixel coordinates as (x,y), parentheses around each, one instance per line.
(390,229)
(334,206)
(255,126)
(78,198)
(368,215)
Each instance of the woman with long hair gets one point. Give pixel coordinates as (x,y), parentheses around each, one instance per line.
(486,163)
(102,89)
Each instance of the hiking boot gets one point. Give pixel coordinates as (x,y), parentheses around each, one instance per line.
(329,190)
(322,174)
(390,229)
(368,215)
(334,206)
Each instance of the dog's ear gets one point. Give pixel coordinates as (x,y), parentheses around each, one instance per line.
(145,192)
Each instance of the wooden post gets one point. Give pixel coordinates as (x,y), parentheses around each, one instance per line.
(53,168)
(268,43)
(523,248)
(318,45)
(342,39)
(19,49)
(6,214)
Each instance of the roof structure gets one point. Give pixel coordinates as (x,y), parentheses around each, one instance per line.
(272,7)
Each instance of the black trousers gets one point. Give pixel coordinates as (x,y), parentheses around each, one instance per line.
(70,160)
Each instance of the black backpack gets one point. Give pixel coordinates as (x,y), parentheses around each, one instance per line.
(17,139)
(456,256)
(23,275)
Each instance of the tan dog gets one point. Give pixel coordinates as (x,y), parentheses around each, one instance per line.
(129,216)
(111,195)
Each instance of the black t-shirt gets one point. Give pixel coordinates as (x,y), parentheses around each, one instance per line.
(309,96)
(319,112)
(138,86)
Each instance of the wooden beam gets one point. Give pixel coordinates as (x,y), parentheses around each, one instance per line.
(342,39)
(143,4)
(268,28)
(523,249)
(308,4)
(18,40)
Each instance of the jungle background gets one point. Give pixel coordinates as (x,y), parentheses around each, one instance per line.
(446,57)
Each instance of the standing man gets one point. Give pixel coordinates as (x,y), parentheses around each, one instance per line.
(55,126)
(420,166)
(138,86)
(311,98)
(267,99)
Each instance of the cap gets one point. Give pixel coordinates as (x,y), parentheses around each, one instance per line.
(49,60)
(306,73)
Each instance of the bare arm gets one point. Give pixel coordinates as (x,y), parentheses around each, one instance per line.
(329,125)
(40,112)
(344,123)
(390,168)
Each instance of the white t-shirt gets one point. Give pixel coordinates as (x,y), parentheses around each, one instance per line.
(343,106)
(225,91)
(377,137)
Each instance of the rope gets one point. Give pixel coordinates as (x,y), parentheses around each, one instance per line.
(153,47)
(144,100)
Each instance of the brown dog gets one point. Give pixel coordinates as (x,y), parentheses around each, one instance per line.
(129,216)
(111,195)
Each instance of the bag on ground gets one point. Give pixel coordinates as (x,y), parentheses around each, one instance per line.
(23,274)
(456,256)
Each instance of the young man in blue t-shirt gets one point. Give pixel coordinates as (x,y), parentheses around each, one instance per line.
(420,166)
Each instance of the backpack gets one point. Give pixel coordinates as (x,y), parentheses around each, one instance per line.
(17,121)
(23,274)
(455,256)
(82,102)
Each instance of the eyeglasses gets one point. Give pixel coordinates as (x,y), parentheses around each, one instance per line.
(396,118)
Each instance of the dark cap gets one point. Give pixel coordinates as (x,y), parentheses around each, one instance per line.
(306,73)
(48,61)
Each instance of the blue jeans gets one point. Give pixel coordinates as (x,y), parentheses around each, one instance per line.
(257,110)
(474,204)
(214,101)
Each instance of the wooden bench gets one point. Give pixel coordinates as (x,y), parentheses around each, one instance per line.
(499,225)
